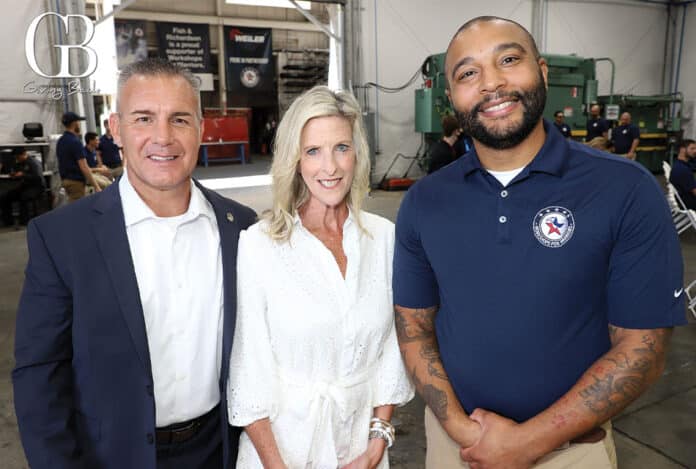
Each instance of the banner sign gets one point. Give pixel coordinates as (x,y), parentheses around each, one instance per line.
(187,45)
(249,63)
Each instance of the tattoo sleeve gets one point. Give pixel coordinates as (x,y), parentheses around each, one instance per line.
(636,360)
(620,376)
(415,330)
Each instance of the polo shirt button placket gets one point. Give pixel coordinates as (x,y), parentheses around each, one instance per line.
(504,193)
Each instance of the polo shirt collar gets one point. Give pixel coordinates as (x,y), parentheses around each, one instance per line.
(135,210)
(551,159)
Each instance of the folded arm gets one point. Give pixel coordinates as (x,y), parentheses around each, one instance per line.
(415,329)
(635,360)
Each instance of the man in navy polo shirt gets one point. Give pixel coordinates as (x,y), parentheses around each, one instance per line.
(559,123)
(625,137)
(536,280)
(72,166)
(109,152)
(596,126)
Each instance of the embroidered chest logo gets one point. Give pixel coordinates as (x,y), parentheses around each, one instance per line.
(553,226)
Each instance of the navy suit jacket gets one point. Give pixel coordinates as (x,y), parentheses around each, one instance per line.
(83,385)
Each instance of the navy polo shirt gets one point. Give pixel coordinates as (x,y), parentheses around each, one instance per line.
(595,128)
(682,178)
(69,150)
(527,277)
(91,157)
(623,136)
(563,129)
(109,152)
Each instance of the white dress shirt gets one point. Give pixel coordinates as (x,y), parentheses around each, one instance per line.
(178,266)
(315,352)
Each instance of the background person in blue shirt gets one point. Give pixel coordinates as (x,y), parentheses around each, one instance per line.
(596,126)
(536,280)
(625,137)
(72,166)
(559,123)
(100,173)
(109,152)
(681,176)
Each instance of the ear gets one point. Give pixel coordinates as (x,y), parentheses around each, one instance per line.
(115,126)
(544,66)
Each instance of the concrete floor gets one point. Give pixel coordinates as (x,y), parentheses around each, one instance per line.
(657,432)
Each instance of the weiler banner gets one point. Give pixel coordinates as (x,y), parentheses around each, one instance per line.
(249,63)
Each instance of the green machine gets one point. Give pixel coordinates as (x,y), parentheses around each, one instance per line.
(659,119)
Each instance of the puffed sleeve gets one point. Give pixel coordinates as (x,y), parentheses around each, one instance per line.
(392,385)
(251,388)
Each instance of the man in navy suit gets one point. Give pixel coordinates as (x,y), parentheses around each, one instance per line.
(126,319)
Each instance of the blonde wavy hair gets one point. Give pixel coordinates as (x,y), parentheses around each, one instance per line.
(289,189)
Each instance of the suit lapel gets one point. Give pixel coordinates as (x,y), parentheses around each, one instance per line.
(229,236)
(110,231)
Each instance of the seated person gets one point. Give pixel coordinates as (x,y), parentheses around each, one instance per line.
(442,152)
(109,152)
(28,172)
(681,177)
(100,173)
(625,137)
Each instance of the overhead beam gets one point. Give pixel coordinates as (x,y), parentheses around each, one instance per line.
(214,20)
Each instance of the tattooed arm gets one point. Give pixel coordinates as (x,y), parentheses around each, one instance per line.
(415,329)
(635,360)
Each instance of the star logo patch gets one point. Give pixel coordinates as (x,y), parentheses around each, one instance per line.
(553,226)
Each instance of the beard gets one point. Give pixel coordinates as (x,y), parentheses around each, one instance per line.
(533,102)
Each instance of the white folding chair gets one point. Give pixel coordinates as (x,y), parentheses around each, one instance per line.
(691,303)
(682,217)
(667,169)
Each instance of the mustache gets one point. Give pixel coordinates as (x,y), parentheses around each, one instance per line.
(509,94)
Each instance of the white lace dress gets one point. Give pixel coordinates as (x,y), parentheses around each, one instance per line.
(313,351)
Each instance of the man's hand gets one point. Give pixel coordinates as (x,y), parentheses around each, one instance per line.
(502,444)
(631,155)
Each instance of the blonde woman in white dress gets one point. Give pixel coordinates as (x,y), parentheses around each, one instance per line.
(315,369)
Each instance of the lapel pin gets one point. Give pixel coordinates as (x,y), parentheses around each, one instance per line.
(230,217)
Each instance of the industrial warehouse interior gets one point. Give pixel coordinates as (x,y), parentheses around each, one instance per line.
(253,59)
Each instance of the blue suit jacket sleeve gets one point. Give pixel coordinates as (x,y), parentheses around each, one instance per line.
(43,377)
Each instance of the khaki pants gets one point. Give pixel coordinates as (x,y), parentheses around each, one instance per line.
(74,189)
(443,453)
(116,172)
(102,181)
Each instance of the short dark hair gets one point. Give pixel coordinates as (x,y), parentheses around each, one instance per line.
(450,124)
(89,136)
(557,113)
(686,142)
(16,151)
(488,19)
